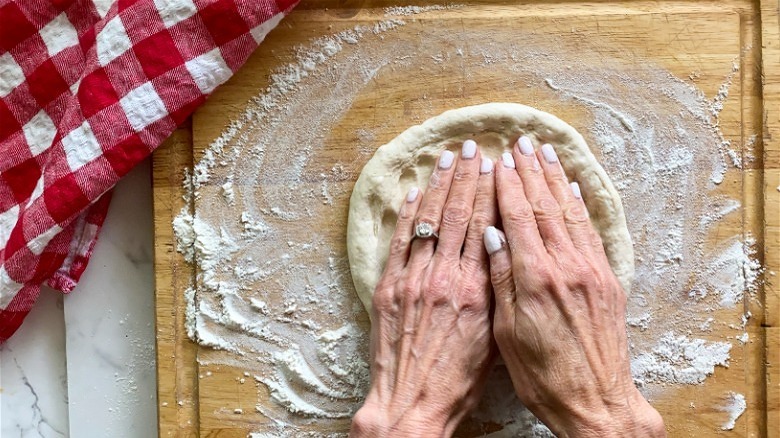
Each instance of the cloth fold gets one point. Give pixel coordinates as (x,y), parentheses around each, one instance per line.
(88,89)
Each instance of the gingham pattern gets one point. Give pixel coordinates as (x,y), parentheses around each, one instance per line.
(85,94)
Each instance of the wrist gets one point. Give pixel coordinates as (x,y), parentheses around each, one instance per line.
(644,421)
(637,419)
(375,422)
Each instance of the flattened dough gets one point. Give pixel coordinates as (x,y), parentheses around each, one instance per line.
(408,161)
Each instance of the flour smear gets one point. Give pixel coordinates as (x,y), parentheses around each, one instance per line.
(274,294)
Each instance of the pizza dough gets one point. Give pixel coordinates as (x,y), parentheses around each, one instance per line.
(408,160)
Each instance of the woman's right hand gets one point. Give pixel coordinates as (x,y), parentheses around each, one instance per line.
(560,310)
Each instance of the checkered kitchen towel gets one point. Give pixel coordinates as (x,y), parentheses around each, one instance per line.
(88,88)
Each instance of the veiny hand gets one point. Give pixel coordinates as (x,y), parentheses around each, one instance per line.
(560,311)
(431,336)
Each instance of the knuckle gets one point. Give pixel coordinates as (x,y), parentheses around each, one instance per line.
(577,214)
(384,301)
(547,208)
(501,276)
(532,171)
(473,299)
(456,214)
(545,278)
(439,280)
(405,213)
(436,182)
(399,245)
(463,175)
(437,291)
(521,214)
(582,277)
(410,292)
(481,219)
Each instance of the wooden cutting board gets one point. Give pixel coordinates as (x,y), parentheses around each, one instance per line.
(681,36)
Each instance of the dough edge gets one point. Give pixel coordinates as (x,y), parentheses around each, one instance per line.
(378,186)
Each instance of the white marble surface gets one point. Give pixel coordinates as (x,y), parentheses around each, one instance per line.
(83,365)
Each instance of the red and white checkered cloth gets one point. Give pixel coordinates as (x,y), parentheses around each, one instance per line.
(87,90)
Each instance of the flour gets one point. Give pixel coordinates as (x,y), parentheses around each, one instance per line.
(617,115)
(734,406)
(641,322)
(679,359)
(274,295)
(414,10)
(729,273)
(716,106)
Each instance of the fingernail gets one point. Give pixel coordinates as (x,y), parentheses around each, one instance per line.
(549,154)
(469,149)
(446,159)
(526,147)
(412,196)
(486,166)
(494,240)
(575,188)
(508,160)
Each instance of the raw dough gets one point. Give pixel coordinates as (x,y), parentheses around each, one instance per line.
(408,161)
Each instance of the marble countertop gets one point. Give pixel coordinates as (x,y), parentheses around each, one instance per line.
(83,365)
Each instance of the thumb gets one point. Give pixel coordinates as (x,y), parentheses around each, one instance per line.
(500,268)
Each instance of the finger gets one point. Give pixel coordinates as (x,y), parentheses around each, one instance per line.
(401,241)
(597,246)
(569,197)
(500,271)
(485,214)
(516,213)
(460,203)
(593,237)
(432,204)
(547,212)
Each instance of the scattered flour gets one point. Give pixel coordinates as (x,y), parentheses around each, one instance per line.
(729,273)
(716,106)
(274,295)
(679,359)
(735,405)
(414,10)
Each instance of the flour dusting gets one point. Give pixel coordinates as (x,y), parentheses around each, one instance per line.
(734,406)
(414,10)
(679,359)
(274,294)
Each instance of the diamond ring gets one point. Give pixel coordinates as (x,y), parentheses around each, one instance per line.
(424,230)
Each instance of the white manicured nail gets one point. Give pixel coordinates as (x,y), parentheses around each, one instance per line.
(446,159)
(549,154)
(525,145)
(469,149)
(486,166)
(494,240)
(508,160)
(575,188)
(412,196)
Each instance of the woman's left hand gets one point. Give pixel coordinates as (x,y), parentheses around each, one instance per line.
(431,336)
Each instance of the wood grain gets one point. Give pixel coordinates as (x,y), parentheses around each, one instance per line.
(770,75)
(177,382)
(681,36)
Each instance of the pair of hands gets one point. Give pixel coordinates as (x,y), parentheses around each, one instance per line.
(559,316)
